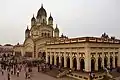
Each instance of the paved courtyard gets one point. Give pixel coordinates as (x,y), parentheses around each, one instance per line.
(34,76)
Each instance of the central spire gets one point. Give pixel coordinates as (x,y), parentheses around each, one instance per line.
(42,5)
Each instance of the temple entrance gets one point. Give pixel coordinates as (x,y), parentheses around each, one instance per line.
(111,62)
(92,65)
(116,61)
(57,61)
(28,54)
(82,64)
(75,63)
(48,59)
(68,62)
(62,61)
(105,62)
(52,60)
(99,63)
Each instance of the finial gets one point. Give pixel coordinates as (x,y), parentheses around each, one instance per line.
(56,25)
(50,13)
(33,15)
(42,5)
(27,26)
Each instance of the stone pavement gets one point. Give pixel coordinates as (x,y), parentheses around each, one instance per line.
(34,76)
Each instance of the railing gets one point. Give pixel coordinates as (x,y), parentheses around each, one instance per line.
(86,39)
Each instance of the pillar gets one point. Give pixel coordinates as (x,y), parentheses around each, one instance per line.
(96,63)
(103,60)
(113,60)
(55,58)
(108,62)
(78,62)
(71,61)
(60,59)
(65,64)
(46,57)
(87,58)
(50,58)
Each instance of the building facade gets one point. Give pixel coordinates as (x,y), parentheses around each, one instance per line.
(6,49)
(88,54)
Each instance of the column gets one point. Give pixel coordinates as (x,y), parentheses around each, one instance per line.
(60,59)
(102,65)
(78,62)
(71,62)
(113,59)
(55,58)
(108,62)
(87,58)
(46,57)
(118,61)
(65,64)
(96,63)
(50,58)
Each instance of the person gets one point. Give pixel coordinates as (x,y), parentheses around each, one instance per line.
(26,75)
(2,72)
(8,76)
(11,71)
(50,67)
(29,76)
(17,73)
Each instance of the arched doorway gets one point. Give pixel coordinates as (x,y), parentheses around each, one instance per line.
(57,61)
(48,59)
(92,65)
(75,63)
(111,62)
(82,64)
(116,61)
(68,62)
(52,60)
(99,63)
(62,61)
(105,62)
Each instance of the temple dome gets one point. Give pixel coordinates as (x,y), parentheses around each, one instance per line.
(41,12)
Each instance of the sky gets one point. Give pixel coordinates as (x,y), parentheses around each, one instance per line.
(75,18)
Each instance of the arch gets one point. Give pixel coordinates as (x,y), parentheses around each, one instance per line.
(111,62)
(48,59)
(75,63)
(105,62)
(116,61)
(57,61)
(62,61)
(99,63)
(82,64)
(68,62)
(92,64)
(52,60)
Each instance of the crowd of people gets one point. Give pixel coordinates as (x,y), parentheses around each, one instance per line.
(15,70)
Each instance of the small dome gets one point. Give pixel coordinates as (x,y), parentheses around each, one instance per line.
(33,18)
(50,18)
(27,30)
(41,12)
(56,29)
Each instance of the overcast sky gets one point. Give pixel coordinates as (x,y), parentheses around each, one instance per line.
(75,18)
